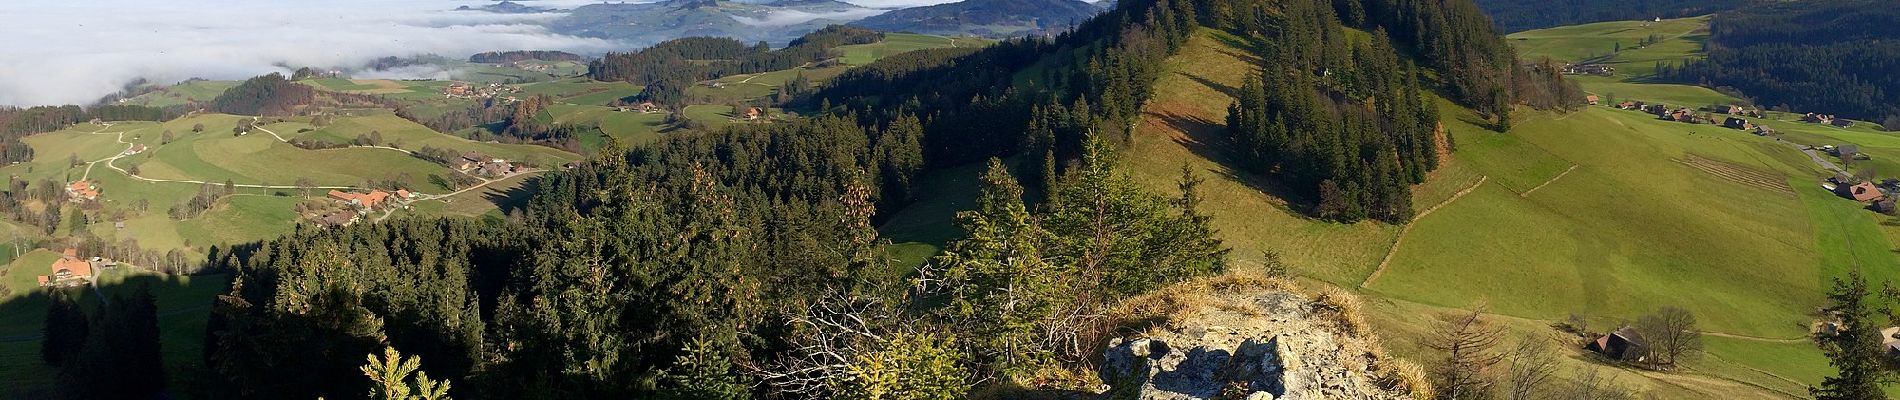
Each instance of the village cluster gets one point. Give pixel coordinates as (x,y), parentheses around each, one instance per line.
(1879,196)
(461,90)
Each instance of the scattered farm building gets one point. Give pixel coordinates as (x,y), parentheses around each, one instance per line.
(1842,122)
(1861,192)
(1591,98)
(339,218)
(1621,344)
(373,199)
(753,113)
(82,190)
(1738,123)
(1818,118)
(1589,69)
(69,271)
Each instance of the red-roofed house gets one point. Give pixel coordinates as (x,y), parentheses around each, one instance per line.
(69,270)
(1591,98)
(371,200)
(1862,192)
(82,190)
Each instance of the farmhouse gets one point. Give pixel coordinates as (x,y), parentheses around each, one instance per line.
(753,113)
(493,169)
(1763,130)
(1847,152)
(1628,105)
(1861,192)
(339,218)
(1622,344)
(137,148)
(68,271)
(372,199)
(1738,123)
(1589,69)
(1591,98)
(82,190)
(1818,118)
(1842,123)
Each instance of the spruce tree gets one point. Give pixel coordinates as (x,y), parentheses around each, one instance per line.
(1854,348)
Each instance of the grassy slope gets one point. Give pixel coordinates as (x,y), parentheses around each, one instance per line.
(1640,224)
(1184,123)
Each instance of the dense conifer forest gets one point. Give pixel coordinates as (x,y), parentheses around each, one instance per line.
(668,68)
(270,94)
(1834,57)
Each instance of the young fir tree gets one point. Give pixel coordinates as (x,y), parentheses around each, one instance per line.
(1001,287)
(1854,349)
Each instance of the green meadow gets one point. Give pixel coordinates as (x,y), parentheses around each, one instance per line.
(897,43)
(1605,213)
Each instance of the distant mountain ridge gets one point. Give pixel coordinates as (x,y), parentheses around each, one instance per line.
(647,23)
(992,18)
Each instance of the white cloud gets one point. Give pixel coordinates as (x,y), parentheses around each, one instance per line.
(794,17)
(73,52)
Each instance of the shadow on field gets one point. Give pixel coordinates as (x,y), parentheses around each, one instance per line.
(184,304)
(1208,140)
(511,199)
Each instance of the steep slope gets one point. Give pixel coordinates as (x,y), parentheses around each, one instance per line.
(1474,207)
(990,18)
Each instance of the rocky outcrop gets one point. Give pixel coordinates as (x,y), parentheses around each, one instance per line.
(1255,343)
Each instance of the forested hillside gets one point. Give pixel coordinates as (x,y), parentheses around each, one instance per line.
(668,68)
(1833,57)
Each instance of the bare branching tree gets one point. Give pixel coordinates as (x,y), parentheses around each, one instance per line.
(1465,341)
(1593,385)
(829,334)
(1531,365)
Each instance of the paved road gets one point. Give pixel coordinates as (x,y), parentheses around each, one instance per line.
(1818,159)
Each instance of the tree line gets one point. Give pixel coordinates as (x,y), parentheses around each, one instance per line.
(667,69)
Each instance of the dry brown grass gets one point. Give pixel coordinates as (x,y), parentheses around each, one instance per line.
(1405,376)
(1343,309)
(1183,301)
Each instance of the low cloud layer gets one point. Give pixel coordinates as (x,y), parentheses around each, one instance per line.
(794,17)
(73,52)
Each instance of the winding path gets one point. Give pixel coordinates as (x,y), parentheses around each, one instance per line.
(1408,229)
(1527,193)
(128,151)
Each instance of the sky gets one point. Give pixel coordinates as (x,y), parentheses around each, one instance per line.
(76,51)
